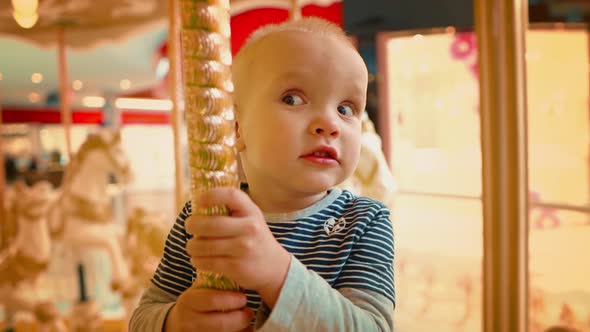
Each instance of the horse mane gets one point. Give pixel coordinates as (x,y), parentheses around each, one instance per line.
(21,205)
(92,143)
(367,125)
(149,229)
(9,228)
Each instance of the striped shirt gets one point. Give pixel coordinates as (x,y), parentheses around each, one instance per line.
(345,239)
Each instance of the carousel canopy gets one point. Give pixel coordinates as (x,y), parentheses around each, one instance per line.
(113,47)
(88,23)
(110,46)
(30,74)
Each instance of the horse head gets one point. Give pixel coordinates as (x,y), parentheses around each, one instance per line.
(104,154)
(35,200)
(147,230)
(372,176)
(85,187)
(27,252)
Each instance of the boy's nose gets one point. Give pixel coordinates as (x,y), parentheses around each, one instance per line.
(325,125)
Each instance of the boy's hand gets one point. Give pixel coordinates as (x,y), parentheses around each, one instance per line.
(209,310)
(240,247)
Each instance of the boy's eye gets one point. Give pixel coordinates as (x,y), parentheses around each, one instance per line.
(346,110)
(292,100)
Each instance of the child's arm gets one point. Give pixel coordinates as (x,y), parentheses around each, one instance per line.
(308,303)
(152,310)
(362,298)
(166,286)
(205,309)
(170,302)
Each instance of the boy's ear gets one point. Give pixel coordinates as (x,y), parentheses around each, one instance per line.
(240,145)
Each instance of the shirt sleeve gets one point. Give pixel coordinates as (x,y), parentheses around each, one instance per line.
(172,277)
(370,265)
(150,315)
(308,303)
(175,273)
(362,299)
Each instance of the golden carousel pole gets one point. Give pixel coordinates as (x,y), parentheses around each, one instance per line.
(206,62)
(175,84)
(500,27)
(295,10)
(2,177)
(64,96)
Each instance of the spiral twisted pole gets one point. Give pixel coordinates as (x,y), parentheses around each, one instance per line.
(206,68)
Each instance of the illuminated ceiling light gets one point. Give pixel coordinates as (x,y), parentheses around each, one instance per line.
(144,104)
(93,101)
(37,78)
(34,97)
(125,84)
(77,85)
(418,37)
(27,7)
(162,68)
(25,21)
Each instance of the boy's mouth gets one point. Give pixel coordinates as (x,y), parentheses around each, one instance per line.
(324,154)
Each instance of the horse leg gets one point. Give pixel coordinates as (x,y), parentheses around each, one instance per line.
(103,237)
(13,303)
(9,320)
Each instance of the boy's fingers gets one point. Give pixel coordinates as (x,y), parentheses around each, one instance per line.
(237,201)
(213,226)
(213,264)
(210,247)
(207,300)
(235,320)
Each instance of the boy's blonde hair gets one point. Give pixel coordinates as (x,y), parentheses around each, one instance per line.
(314,25)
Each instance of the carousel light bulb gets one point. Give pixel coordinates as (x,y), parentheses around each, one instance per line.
(162,68)
(418,37)
(25,7)
(450,30)
(93,101)
(34,97)
(36,78)
(25,21)
(125,84)
(77,85)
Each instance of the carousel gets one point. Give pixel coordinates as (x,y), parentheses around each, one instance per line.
(130,116)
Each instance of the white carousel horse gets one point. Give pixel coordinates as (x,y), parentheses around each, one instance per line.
(25,254)
(82,217)
(372,176)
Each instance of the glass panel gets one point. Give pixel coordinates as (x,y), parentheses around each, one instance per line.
(438,263)
(559,269)
(559,173)
(558,123)
(153,169)
(434,121)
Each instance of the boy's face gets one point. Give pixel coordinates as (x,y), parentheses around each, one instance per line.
(299,112)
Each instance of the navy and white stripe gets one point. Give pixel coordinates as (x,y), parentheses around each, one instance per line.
(358,256)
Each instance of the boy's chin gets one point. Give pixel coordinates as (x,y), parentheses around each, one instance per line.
(318,184)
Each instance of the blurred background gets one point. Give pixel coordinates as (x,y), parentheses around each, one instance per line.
(109,64)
